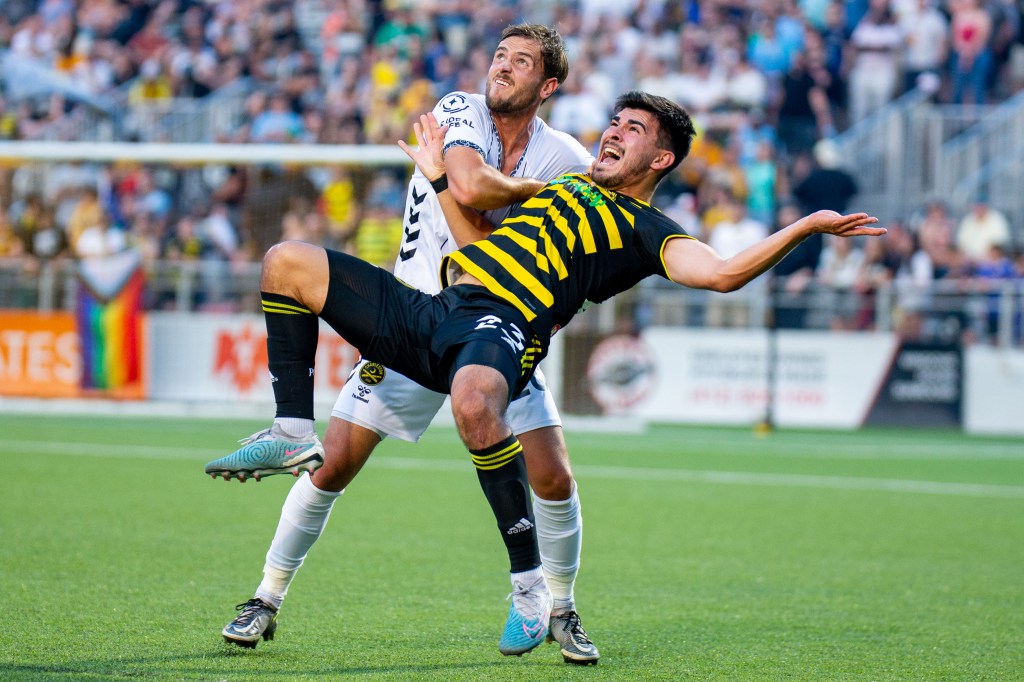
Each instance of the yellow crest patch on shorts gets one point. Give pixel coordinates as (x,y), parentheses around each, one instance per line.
(372,373)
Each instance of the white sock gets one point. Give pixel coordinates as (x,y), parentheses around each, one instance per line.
(303,517)
(527,577)
(560,536)
(295,426)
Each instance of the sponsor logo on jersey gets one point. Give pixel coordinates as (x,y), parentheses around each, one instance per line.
(372,373)
(454,104)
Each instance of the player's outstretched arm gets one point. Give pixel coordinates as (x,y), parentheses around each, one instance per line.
(466,225)
(696,265)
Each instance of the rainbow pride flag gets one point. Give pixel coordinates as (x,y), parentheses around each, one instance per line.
(108,313)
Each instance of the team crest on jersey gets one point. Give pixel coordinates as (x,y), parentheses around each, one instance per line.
(453,104)
(372,373)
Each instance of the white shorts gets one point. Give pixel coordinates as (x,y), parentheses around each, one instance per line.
(390,404)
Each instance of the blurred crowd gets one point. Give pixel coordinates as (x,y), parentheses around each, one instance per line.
(768,81)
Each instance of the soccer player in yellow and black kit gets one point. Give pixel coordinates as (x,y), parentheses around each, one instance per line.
(582,238)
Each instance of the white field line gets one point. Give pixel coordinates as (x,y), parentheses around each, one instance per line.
(806,447)
(582,470)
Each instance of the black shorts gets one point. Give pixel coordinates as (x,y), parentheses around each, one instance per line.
(427,338)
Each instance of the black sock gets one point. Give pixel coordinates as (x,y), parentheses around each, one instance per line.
(292,334)
(502,474)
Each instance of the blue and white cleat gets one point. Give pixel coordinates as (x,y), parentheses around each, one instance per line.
(269,452)
(528,616)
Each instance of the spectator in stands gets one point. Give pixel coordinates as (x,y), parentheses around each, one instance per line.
(152,86)
(838,271)
(794,275)
(339,207)
(379,234)
(279,122)
(11,246)
(877,44)
(1006,32)
(926,36)
(913,277)
(981,229)
(86,215)
(762,179)
(993,276)
(577,110)
(730,236)
(972,56)
(874,273)
(935,234)
(805,110)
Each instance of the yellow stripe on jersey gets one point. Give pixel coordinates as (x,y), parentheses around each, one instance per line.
(630,218)
(614,239)
(586,236)
(527,244)
(563,227)
(492,284)
(498,459)
(521,274)
(284,308)
(554,258)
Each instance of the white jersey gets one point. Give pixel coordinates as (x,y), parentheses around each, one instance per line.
(426,239)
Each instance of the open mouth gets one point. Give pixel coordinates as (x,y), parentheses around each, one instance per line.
(609,155)
(502,83)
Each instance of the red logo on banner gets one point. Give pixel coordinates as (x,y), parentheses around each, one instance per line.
(242,356)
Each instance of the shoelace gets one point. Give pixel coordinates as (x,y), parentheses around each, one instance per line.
(574,625)
(249,610)
(528,602)
(255,436)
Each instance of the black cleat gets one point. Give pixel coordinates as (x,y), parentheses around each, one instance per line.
(567,630)
(257,619)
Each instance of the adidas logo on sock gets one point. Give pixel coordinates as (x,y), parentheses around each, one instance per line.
(521,526)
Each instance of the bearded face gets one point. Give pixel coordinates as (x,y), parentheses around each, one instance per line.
(516,76)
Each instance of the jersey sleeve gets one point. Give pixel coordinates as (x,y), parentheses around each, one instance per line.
(652,234)
(466,117)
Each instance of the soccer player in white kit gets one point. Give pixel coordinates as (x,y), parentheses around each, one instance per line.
(499,153)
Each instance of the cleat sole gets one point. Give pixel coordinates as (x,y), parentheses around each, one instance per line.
(241,642)
(310,465)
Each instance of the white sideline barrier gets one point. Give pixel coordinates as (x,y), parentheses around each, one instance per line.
(215,365)
(994,391)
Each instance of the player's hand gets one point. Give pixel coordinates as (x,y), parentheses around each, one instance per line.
(851,225)
(428,156)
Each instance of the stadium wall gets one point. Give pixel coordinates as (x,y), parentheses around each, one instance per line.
(837,380)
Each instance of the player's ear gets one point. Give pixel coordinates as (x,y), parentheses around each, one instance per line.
(664,159)
(549,87)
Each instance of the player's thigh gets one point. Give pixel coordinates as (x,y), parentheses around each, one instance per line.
(386,402)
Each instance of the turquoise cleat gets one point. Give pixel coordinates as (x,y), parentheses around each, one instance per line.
(269,452)
(527,624)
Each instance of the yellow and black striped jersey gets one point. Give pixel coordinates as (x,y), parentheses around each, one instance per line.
(571,243)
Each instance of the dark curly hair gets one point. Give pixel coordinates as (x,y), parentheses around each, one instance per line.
(675,127)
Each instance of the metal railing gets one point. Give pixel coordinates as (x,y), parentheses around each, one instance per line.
(950,311)
(913,150)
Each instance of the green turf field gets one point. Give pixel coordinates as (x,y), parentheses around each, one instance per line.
(709,554)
